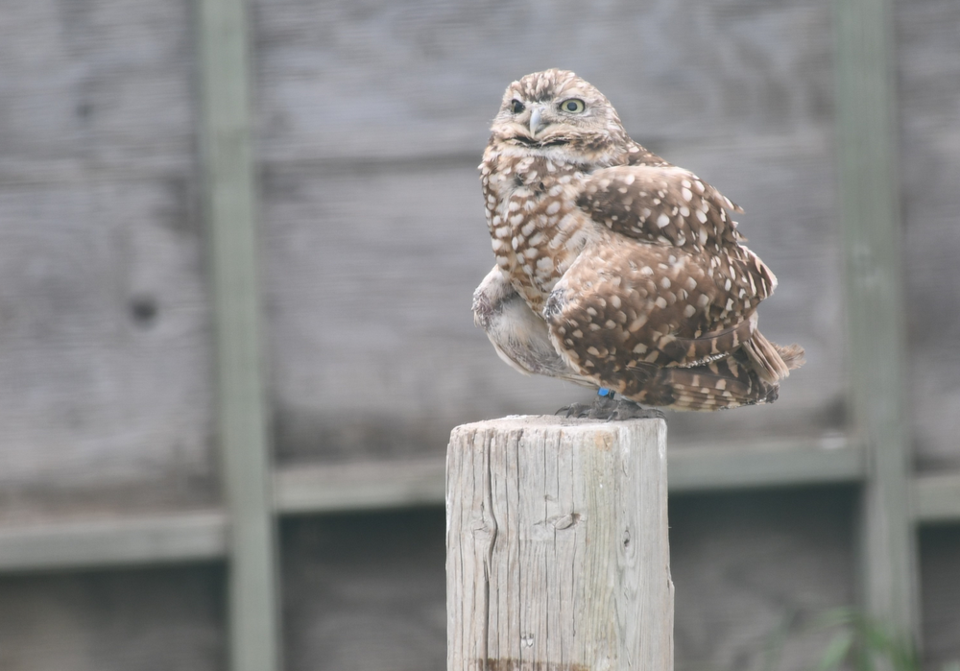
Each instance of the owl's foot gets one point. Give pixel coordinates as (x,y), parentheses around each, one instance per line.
(627,409)
(607,407)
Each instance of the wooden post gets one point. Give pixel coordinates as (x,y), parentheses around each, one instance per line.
(557,549)
(230,204)
(870,223)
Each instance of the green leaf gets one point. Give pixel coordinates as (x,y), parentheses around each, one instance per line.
(836,651)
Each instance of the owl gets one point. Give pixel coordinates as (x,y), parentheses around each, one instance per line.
(615,269)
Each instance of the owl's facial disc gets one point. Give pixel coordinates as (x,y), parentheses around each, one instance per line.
(558,114)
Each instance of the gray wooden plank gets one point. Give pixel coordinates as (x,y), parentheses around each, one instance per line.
(95,84)
(384,485)
(928,59)
(104,387)
(372,485)
(425,77)
(113,542)
(936,498)
(358,486)
(871,229)
(230,208)
(779,463)
(194,536)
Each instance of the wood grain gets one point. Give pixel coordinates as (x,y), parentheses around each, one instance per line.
(105,398)
(557,552)
(96,86)
(105,354)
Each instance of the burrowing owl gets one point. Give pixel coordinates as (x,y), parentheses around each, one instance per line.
(616,269)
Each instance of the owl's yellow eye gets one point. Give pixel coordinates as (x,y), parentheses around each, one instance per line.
(516,106)
(574,106)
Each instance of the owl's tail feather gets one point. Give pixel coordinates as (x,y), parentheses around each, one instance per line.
(727,383)
(792,355)
(771,361)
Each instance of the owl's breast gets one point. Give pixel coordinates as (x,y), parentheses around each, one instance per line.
(537,230)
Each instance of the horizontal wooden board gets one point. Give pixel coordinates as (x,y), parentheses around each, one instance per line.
(936,498)
(717,466)
(693,468)
(379,485)
(112,541)
(425,77)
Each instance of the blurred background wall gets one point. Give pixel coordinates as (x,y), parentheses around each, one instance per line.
(369,118)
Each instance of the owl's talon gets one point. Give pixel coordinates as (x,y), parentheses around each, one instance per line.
(609,408)
(574,410)
(629,410)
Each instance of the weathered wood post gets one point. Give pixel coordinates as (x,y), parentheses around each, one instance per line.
(557,550)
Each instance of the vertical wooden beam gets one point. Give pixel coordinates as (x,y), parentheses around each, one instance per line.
(230,210)
(557,548)
(870,210)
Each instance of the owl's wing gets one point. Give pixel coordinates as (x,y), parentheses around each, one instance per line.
(655,323)
(671,207)
(661,205)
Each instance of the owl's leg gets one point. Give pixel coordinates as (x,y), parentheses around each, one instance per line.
(606,406)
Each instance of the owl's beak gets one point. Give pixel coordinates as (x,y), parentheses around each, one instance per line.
(535,120)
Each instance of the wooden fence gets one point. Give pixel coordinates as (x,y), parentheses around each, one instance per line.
(872,451)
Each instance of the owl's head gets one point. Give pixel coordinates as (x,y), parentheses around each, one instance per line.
(556,114)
